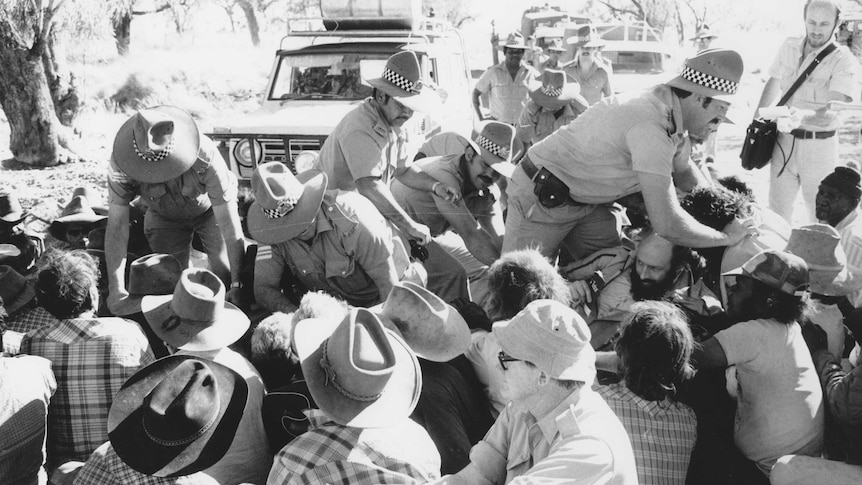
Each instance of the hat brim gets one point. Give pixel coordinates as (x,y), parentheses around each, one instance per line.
(425,101)
(830,282)
(505,167)
(227,329)
(275,230)
(58,228)
(570,94)
(397,400)
(583,369)
(14,217)
(25,296)
(686,85)
(187,142)
(131,441)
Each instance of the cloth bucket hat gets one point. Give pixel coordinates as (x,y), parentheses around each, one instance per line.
(553,91)
(711,72)
(15,289)
(76,213)
(177,416)
(781,270)
(10,209)
(499,146)
(552,336)
(360,373)
(819,246)
(157,144)
(402,79)
(284,204)
(587,37)
(195,317)
(431,327)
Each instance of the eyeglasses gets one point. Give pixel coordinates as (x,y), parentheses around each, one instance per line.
(504,357)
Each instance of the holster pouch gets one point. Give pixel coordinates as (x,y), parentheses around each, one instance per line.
(550,190)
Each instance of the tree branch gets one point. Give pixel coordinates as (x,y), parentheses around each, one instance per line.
(617,10)
(161,8)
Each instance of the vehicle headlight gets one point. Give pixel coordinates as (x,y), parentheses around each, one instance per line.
(304,161)
(242,152)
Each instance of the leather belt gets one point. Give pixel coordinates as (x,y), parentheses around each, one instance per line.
(812,135)
(531,170)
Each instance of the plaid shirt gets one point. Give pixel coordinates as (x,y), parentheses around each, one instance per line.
(104,467)
(662,433)
(36,317)
(91,359)
(331,453)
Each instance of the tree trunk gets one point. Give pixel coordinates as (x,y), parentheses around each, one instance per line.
(251,19)
(26,101)
(61,82)
(123,32)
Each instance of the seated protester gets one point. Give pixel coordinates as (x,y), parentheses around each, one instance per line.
(30,246)
(441,145)
(653,354)
(179,398)
(516,279)
(780,408)
(362,433)
(553,103)
(332,241)
(26,389)
(75,223)
(197,321)
(18,296)
(86,354)
(838,200)
(469,229)
(555,427)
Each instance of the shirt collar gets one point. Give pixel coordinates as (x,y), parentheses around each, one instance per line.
(548,422)
(380,124)
(847,221)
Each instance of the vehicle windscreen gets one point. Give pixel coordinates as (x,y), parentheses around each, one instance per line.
(321,76)
(632,62)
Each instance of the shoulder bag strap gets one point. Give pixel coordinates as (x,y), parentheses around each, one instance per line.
(802,77)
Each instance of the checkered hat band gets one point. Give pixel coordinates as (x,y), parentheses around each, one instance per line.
(709,81)
(283,208)
(153,156)
(552,92)
(400,81)
(492,147)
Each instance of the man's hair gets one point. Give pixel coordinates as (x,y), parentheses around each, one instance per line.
(785,308)
(271,351)
(831,3)
(66,282)
(518,278)
(655,347)
(714,207)
(319,304)
(735,184)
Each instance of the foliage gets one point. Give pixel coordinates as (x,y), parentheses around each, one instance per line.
(457,12)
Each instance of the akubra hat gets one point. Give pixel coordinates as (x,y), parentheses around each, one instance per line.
(431,327)
(556,45)
(516,41)
(819,246)
(177,416)
(360,373)
(10,209)
(153,274)
(499,146)
(195,317)
(704,33)
(714,73)
(284,204)
(97,202)
(157,144)
(402,79)
(587,37)
(553,91)
(76,213)
(15,289)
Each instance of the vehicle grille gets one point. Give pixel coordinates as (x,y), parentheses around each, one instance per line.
(279,149)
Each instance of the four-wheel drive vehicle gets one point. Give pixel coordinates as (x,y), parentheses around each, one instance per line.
(639,65)
(317,78)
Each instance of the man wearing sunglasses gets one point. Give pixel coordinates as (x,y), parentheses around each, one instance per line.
(555,428)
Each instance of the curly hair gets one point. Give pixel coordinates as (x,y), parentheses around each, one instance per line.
(655,347)
(518,278)
(67,283)
(271,351)
(715,207)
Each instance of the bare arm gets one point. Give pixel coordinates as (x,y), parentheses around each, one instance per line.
(477,105)
(227,218)
(413,177)
(379,194)
(495,227)
(480,244)
(116,246)
(688,176)
(770,92)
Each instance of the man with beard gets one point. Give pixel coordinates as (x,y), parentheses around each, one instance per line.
(810,151)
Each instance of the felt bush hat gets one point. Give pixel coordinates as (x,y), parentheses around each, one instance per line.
(177,416)
(15,289)
(781,270)
(76,213)
(284,204)
(552,336)
(499,146)
(714,73)
(556,45)
(157,144)
(10,209)
(588,37)
(154,274)
(195,317)
(431,327)
(402,80)
(553,91)
(96,201)
(516,41)
(360,373)
(820,246)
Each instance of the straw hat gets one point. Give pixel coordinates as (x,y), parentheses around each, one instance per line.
(284,204)
(402,79)
(195,317)
(819,246)
(10,209)
(177,416)
(711,72)
(553,91)
(157,144)
(587,37)
(76,213)
(499,146)
(360,373)
(15,290)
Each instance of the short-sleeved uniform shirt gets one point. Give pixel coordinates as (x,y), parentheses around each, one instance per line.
(837,72)
(361,145)
(536,123)
(352,250)
(780,402)
(594,84)
(207,183)
(507,96)
(424,207)
(599,154)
